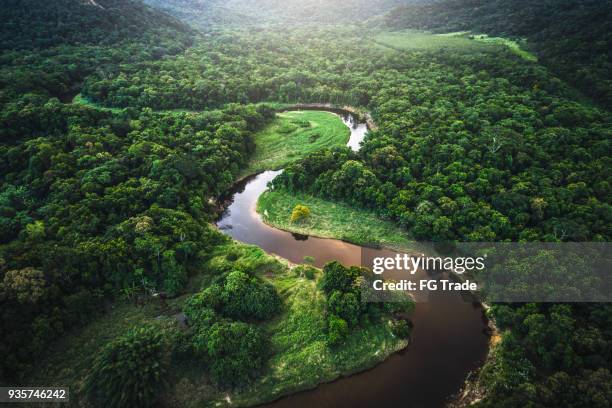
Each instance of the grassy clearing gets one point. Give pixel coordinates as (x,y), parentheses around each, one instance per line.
(299,356)
(331,220)
(514,46)
(81,100)
(410,40)
(292,136)
(407,40)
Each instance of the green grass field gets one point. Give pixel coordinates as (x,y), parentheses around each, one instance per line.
(299,359)
(407,40)
(292,135)
(331,220)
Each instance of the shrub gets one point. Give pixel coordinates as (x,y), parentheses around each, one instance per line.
(338,277)
(247,297)
(305,271)
(345,305)
(337,330)
(300,213)
(130,370)
(286,128)
(236,351)
(309,273)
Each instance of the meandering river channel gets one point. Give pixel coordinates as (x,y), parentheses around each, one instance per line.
(448,338)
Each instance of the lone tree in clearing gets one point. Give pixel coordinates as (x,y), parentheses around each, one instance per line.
(300,213)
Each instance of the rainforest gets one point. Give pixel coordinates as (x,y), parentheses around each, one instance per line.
(190,192)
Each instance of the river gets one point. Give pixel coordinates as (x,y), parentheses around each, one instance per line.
(449,338)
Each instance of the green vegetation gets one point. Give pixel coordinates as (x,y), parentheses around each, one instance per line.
(293,135)
(513,45)
(579,55)
(131,370)
(240,13)
(330,220)
(274,357)
(105,211)
(300,213)
(411,40)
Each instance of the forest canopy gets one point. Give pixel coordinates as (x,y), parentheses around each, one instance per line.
(122,130)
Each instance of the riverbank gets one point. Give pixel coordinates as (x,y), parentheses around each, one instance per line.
(293,135)
(300,358)
(331,220)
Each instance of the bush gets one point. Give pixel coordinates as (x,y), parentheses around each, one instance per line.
(129,371)
(306,271)
(300,213)
(247,297)
(286,128)
(345,305)
(338,277)
(236,351)
(337,330)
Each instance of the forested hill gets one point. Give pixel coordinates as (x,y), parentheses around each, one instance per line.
(573,38)
(49,47)
(30,24)
(217,13)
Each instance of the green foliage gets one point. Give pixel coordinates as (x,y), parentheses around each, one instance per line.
(337,330)
(28,24)
(473,143)
(345,305)
(294,134)
(337,277)
(237,350)
(241,13)
(550,346)
(329,219)
(345,309)
(239,296)
(401,329)
(131,370)
(247,297)
(124,206)
(306,271)
(580,57)
(300,213)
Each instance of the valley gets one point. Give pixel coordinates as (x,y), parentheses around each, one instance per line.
(191,228)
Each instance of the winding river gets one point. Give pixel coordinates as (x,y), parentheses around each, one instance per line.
(449,338)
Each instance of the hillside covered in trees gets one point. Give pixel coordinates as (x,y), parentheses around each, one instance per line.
(109,197)
(572,38)
(219,14)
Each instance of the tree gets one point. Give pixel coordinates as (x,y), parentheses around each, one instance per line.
(300,213)
(337,277)
(247,297)
(345,305)
(27,285)
(130,370)
(236,350)
(337,330)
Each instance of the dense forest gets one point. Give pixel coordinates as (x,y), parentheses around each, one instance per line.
(573,38)
(218,14)
(103,200)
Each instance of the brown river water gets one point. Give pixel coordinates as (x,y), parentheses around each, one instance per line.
(449,338)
